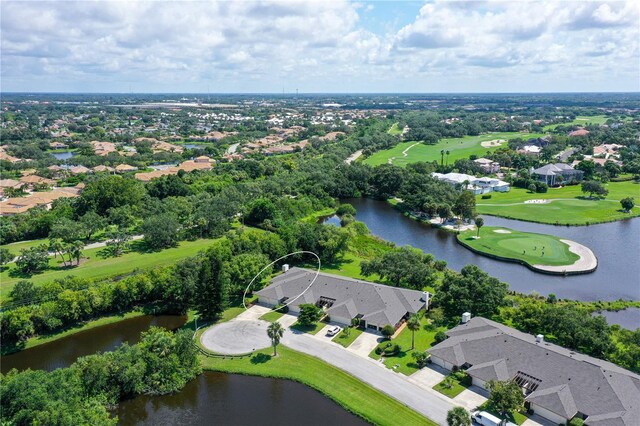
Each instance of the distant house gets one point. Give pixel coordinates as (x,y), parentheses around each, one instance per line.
(344,299)
(124,168)
(554,174)
(474,184)
(489,166)
(533,150)
(558,384)
(102,168)
(579,132)
(58,145)
(78,170)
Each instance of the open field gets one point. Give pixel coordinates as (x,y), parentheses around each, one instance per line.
(581,120)
(404,362)
(96,267)
(458,147)
(352,394)
(568,205)
(394,130)
(534,249)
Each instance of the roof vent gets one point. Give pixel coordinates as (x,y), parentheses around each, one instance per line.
(466,317)
(539,338)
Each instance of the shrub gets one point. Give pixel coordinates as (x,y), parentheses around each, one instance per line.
(486,196)
(440,337)
(281,308)
(392,350)
(388,331)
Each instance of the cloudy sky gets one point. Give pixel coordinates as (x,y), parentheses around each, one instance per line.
(313,46)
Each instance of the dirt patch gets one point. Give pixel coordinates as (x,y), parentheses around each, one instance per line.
(493,143)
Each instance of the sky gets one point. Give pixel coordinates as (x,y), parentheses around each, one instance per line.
(331,46)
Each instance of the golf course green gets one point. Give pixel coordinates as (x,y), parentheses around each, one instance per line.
(533,250)
(411,152)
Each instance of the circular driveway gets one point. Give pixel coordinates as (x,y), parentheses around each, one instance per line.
(236,337)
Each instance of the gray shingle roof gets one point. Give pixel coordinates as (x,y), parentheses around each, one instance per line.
(378,304)
(569,381)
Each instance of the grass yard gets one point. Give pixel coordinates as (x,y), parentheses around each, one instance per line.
(97,267)
(395,130)
(459,148)
(313,329)
(346,340)
(456,386)
(525,246)
(20,245)
(581,120)
(569,206)
(271,316)
(352,394)
(424,339)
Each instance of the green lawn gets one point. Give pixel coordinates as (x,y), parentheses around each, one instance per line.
(570,205)
(534,249)
(457,386)
(313,329)
(346,340)
(395,130)
(97,267)
(458,147)
(581,120)
(20,245)
(271,316)
(404,362)
(352,394)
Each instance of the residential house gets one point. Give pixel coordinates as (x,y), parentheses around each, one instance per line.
(488,166)
(125,168)
(554,174)
(103,169)
(78,170)
(343,299)
(579,132)
(474,184)
(558,384)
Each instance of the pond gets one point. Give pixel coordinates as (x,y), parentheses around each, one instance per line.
(63,155)
(230,399)
(615,244)
(65,351)
(627,318)
(193,146)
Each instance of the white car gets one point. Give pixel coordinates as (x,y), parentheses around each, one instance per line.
(333,330)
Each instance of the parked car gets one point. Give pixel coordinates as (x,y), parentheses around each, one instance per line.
(485,419)
(333,330)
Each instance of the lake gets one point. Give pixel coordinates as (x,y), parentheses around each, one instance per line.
(231,399)
(616,245)
(65,351)
(627,318)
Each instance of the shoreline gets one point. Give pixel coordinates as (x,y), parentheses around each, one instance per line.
(589,223)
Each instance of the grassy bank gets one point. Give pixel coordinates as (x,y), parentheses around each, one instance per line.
(458,148)
(533,249)
(567,206)
(351,393)
(96,266)
(581,120)
(395,130)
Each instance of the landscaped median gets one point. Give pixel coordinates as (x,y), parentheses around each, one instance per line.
(539,252)
(351,393)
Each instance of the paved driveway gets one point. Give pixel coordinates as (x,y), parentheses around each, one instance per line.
(365,343)
(429,376)
(471,398)
(236,337)
(287,320)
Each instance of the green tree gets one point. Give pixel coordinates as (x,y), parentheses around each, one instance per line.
(588,168)
(212,294)
(444,212)
(505,396)
(309,315)
(92,222)
(6,256)
(111,191)
(458,416)
(34,259)
(479,224)
(388,331)
(627,204)
(275,331)
(161,231)
(67,230)
(23,291)
(532,188)
(262,209)
(344,209)
(472,290)
(118,241)
(592,187)
(403,267)
(465,205)
(413,324)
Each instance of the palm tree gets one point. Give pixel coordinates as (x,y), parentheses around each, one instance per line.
(479,224)
(442,157)
(414,325)
(458,416)
(448,157)
(275,332)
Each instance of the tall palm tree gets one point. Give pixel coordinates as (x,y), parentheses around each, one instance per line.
(458,416)
(442,157)
(414,325)
(275,332)
(448,157)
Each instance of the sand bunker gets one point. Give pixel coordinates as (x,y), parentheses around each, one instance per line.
(537,201)
(491,144)
(501,231)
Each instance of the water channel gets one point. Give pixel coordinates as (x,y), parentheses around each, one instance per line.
(616,245)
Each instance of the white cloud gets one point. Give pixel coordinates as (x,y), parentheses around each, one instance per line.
(318,46)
